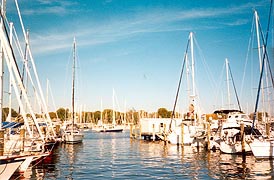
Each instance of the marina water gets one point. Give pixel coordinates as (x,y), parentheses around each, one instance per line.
(116,156)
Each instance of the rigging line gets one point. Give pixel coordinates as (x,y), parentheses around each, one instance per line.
(207,68)
(266,53)
(234,88)
(179,85)
(261,74)
(12,51)
(250,42)
(218,89)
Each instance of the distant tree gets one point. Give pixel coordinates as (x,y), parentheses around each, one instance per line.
(62,113)
(52,115)
(169,114)
(163,113)
(259,115)
(89,117)
(97,116)
(107,115)
(5,113)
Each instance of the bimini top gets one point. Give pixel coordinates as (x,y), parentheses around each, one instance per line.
(227,111)
(6,125)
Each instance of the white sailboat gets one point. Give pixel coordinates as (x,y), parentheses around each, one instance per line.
(192,134)
(12,159)
(72,133)
(261,146)
(113,127)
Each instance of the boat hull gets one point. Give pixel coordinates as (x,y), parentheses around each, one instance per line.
(8,167)
(73,138)
(111,130)
(262,149)
(233,148)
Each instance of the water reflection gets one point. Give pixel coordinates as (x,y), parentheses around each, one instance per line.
(115,156)
(70,153)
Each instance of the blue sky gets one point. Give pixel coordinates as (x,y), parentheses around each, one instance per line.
(137,48)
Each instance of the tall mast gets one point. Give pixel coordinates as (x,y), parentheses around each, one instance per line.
(113,111)
(227,83)
(73,78)
(192,64)
(193,77)
(3,10)
(260,58)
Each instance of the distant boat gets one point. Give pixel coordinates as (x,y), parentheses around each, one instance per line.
(109,127)
(72,133)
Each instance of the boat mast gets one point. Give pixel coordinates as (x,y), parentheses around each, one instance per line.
(260,60)
(227,83)
(193,96)
(73,79)
(113,111)
(3,10)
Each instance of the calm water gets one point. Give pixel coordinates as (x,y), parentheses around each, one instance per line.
(116,156)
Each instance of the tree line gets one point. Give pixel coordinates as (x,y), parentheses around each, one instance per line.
(131,116)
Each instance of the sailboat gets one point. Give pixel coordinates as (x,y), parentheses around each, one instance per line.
(72,133)
(261,146)
(113,127)
(187,131)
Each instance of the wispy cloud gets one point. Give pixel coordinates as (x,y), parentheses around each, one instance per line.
(140,22)
(51,7)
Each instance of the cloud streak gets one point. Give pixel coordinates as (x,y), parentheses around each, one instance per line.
(140,22)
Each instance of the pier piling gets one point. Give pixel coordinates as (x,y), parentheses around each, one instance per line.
(22,137)
(131,129)
(268,129)
(242,138)
(2,142)
(165,138)
(153,132)
(182,133)
(208,136)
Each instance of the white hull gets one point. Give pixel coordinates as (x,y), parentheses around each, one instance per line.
(175,137)
(189,137)
(109,128)
(73,137)
(29,159)
(24,166)
(233,148)
(7,168)
(262,149)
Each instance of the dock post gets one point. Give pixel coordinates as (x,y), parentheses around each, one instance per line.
(268,129)
(22,137)
(140,132)
(135,131)
(242,138)
(2,142)
(153,132)
(57,130)
(182,133)
(130,134)
(165,133)
(208,136)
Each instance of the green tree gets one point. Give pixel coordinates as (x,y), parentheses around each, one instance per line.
(163,113)
(5,113)
(107,116)
(62,113)
(259,115)
(52,115)
(96,116)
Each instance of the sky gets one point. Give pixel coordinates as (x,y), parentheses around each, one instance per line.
(137,47)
